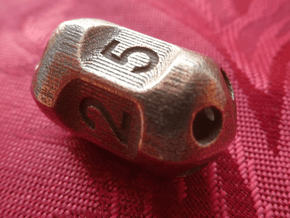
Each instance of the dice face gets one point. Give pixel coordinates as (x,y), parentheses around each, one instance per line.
(146,100)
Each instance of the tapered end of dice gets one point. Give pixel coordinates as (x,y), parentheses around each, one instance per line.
(190,115)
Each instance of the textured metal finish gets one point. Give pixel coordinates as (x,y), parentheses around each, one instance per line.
(166,108)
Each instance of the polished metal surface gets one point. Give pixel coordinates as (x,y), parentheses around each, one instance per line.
(163,107)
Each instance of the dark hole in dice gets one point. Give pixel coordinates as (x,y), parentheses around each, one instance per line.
(207,125)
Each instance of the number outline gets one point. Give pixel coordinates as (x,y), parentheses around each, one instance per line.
(122,133)
(123,58)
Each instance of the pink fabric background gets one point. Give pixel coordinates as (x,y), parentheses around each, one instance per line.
(46,171)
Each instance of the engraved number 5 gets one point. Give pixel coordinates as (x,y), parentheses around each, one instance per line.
(123,59)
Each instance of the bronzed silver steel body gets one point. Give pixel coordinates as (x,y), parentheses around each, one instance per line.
(166,108)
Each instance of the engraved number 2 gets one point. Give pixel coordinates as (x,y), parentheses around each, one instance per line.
(123,58)
(121,133)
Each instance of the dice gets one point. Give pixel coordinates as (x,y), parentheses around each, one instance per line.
(160,106)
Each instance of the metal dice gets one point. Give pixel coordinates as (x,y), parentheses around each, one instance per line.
(163,107)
